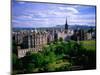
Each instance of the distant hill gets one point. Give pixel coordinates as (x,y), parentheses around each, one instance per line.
(75,26)
(57,27)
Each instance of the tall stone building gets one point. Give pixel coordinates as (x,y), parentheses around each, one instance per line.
(29,41)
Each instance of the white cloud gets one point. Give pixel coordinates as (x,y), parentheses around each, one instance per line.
(15,21)
(72,10)
(69,9)
(23,17)
(63,8)
(42,14)
(21,2)
(81,21)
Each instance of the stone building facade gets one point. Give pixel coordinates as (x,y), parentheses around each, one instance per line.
(29,41)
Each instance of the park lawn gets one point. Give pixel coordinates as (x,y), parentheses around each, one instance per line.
(35,70)
(54,65)
(89,44)
(58,64)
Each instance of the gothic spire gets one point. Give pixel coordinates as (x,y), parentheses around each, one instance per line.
(66,25)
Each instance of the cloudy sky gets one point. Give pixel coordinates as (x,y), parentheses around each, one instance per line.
(30,14)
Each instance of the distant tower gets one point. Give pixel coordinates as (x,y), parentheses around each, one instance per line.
(66,25)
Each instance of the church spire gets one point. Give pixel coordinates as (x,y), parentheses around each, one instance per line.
(66,25)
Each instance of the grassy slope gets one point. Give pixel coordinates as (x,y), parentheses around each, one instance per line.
(89,44)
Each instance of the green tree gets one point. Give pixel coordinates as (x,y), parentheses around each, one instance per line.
(59,49)
(60,39)
(15,61)
(50,58)
(14,47)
